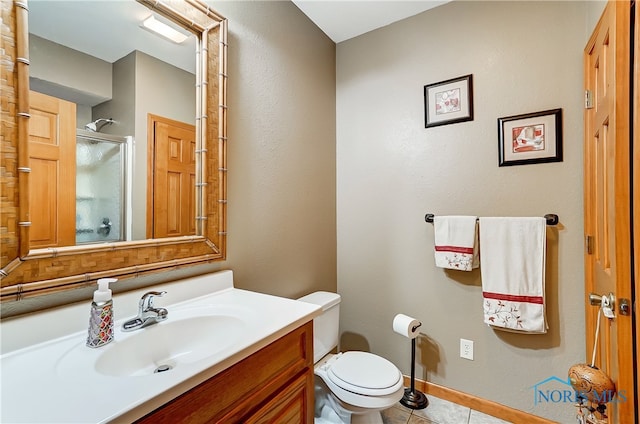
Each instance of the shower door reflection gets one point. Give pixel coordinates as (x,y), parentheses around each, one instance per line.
(101,187)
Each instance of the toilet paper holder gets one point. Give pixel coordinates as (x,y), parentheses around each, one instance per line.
(413,398)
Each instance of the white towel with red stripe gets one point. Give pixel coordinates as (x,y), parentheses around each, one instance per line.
(513,254)
(456,242)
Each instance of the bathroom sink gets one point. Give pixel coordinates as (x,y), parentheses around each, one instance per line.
(210,327)
(189,335)
(163,346)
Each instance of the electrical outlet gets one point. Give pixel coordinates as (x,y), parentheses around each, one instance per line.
(466,349)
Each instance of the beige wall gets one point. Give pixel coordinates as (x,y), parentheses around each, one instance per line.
(524,57)
(282,179)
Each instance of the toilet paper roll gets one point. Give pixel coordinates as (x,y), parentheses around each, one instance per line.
(406,326)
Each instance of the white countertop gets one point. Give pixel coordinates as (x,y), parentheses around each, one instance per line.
(55,381)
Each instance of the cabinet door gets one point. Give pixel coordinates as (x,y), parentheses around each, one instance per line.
(294,405)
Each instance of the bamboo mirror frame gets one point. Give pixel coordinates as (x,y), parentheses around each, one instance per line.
(29,272)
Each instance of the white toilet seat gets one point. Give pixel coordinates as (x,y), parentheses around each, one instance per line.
(353,382)
(365,374)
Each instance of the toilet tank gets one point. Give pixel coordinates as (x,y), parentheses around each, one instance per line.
(325,325)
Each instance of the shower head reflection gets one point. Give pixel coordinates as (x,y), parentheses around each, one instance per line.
(98,123)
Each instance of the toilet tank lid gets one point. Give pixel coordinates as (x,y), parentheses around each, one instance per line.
(322,298)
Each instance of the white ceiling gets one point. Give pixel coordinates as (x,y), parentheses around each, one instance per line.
(106,29)
(110,29)
(342,20)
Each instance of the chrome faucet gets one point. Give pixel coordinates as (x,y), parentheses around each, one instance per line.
(147,314)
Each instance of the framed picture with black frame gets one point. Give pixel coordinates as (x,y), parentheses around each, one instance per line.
(530,138)
(448,102)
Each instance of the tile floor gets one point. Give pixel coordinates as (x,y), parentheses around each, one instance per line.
(439,411)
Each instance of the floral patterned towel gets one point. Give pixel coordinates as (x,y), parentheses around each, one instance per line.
(512,252)
(456,242)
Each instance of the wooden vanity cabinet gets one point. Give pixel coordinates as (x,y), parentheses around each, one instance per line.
(274,385)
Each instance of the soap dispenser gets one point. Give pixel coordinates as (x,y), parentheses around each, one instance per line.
(101,318)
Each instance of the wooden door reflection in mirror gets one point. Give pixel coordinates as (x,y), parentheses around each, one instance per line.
(52,160)
(172,180)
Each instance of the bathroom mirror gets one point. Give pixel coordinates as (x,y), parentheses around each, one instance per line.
(28,272)
(100,56)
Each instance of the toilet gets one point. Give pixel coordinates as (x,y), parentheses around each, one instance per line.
(350,387)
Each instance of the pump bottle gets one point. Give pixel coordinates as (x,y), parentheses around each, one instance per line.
(101,318)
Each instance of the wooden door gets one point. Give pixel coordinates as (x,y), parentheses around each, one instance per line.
(52,181)
(607,199)
(636,190)
(173,172)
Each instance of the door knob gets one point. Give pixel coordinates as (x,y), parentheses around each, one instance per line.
(595,300)
(607,303)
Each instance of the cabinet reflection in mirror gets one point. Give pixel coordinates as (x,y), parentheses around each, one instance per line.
(130,77)
(121,163)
